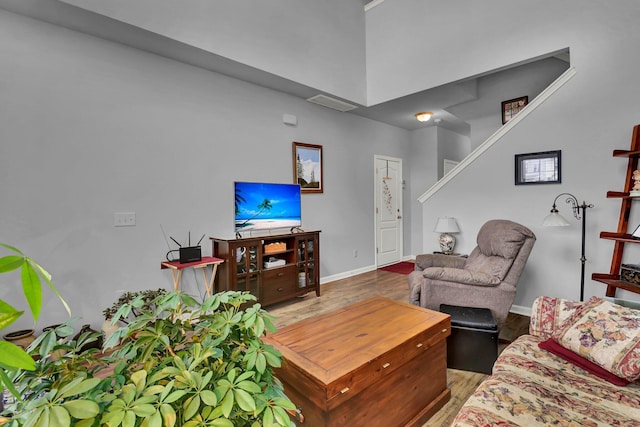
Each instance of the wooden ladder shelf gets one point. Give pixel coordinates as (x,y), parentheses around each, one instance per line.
(622,235)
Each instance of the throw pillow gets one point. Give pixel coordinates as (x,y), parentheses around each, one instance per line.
(607,334)
(575,359)
(549,313)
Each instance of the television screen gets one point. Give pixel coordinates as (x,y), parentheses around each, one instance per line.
(261,206)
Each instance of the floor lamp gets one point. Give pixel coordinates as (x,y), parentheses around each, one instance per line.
(554,219)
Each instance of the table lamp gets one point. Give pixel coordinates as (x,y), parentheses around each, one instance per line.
(446,225)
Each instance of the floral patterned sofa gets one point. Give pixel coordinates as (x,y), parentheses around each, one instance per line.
(532,386)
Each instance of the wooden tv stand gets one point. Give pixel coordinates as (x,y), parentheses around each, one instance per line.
(244,265)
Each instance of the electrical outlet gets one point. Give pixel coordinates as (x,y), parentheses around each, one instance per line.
(124,219)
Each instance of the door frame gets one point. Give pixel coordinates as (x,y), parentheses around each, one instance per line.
(377,157)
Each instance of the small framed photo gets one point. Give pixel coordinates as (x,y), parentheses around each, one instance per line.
(538,168)
(307,167)
(512,107)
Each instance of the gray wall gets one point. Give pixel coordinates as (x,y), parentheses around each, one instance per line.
(423,171)
(451,146)
(90,127)
(417,44)
(587,118)
(484,115)
(317,43)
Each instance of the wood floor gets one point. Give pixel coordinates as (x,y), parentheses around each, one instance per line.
(394,286)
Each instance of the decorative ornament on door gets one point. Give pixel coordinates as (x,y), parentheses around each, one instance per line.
(386,191)
(387,195)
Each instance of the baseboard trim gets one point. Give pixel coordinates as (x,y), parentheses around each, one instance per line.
(344,275)
(521,310)
(357,271)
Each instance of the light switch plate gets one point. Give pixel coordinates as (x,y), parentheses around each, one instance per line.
(124,219)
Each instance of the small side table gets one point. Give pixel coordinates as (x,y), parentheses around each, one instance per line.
(452,254)
(176,268)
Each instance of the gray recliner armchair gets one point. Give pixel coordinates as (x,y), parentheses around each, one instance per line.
(487,278)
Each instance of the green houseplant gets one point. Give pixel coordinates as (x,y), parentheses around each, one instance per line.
(31,274)
(109,326)
(148,298)
(182,362)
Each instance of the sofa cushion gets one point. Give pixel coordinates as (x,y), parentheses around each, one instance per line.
(607,334)
(492,265)
(531,387)
(460,276)
(549,313)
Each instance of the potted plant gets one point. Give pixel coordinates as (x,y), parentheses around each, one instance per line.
(148,297)
(182,362)
(13,356)
(21,338)
(109,326)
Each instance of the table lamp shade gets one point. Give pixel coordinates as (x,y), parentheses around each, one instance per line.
(446,225)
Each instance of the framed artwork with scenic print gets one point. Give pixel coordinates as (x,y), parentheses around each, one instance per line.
(307,167)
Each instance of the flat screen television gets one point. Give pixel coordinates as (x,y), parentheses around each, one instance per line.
(263,206)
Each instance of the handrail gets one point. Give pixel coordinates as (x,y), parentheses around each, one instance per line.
(543,96)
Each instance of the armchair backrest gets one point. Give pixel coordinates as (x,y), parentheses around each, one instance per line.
(503,249)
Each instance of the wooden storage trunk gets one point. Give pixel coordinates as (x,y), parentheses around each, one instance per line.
(378,362)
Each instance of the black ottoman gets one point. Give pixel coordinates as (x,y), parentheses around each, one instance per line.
(473,343)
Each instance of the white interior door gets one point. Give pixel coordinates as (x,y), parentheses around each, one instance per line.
(388,210)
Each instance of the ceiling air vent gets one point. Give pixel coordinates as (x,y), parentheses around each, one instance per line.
(332,103)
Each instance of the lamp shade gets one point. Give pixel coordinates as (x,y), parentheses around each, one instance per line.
(554,219)
(446,225)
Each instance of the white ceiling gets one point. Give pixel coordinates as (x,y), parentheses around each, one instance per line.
(457,103)
(399,112)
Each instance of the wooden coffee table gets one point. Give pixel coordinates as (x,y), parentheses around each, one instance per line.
(377,362)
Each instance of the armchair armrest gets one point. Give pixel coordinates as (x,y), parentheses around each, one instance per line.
(439,260)
(460,276)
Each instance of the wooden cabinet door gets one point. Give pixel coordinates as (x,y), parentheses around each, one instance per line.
(307,247)
(246,260)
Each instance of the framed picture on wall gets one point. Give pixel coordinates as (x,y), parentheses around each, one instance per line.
(307,167)
(512,107)
(538,168)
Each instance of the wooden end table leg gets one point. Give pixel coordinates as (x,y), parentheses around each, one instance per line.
(176,275)
(214,270)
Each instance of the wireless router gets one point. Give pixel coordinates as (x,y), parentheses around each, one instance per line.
(187,253)
(191,253)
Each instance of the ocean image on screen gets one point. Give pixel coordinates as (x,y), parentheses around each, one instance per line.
(262,206)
